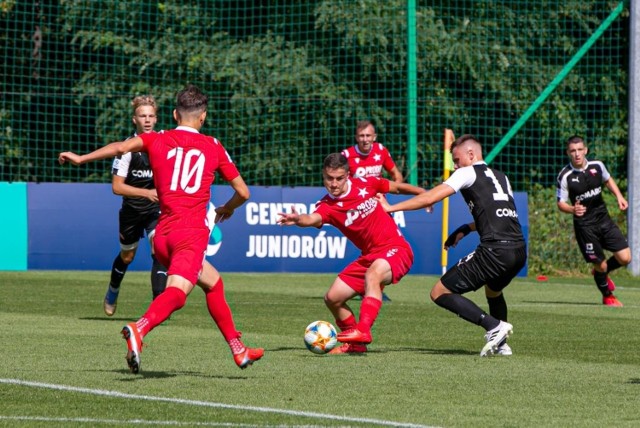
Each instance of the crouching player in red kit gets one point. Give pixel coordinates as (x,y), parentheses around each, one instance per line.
(351,206)
(184,163)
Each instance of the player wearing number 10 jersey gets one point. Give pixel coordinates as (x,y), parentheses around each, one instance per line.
(502,250)
(184,163)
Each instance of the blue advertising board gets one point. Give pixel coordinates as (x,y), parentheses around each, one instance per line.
(75,226)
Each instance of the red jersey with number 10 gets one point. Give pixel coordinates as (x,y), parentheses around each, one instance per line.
(184,163)
(359,216)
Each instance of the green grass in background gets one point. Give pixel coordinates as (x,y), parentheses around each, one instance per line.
(575,361)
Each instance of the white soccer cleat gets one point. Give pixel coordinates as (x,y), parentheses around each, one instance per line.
(495,337)
(504,350)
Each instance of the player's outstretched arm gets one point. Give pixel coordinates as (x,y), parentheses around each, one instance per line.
(119,187)
(405,188)
(240,195)
(302,220)
(105,152)
(423,200)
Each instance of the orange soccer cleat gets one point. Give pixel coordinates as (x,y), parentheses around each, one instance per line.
(134,346)
(349,348)
(612,301)
(353,335)
(245,358)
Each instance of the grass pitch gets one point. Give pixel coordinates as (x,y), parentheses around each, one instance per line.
(575,363)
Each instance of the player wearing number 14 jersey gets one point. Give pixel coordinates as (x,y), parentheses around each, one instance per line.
(352,208)
(502,250)
(184,163)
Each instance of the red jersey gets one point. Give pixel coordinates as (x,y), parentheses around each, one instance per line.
(184,163)
(370,164)
(359,216)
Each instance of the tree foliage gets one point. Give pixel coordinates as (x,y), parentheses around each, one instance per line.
(289,79)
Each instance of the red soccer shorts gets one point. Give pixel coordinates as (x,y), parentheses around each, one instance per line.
(182,251)
(400,259)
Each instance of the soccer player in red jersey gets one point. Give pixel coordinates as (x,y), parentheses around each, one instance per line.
(368,157)
(184,163)
(351,207)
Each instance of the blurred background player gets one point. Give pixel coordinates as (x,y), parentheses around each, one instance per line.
(579,192)
(502,252)
(367,158)
(184,164)
(133,180)
(352,208)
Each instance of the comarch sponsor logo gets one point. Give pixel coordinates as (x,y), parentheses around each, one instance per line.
(215,233)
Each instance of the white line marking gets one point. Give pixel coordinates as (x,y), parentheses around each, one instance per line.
(117,422)
(210,404)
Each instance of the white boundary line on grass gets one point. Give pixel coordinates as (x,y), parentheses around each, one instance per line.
(206,404)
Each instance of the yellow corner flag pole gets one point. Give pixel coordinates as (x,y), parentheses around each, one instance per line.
(448,167)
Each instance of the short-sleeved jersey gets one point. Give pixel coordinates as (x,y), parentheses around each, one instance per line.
(488,195)
(184,163)
(359,216)
(369,164)
(136,170)
(585,186)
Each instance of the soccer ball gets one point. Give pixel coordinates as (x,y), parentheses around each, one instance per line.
(320,337)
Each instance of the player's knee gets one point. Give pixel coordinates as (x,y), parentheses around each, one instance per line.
(624,257)
(127,256)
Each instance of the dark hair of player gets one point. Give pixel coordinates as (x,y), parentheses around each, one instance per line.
(463,139)
(336,161)
(191,99)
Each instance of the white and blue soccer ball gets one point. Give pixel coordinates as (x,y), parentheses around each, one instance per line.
(320,337)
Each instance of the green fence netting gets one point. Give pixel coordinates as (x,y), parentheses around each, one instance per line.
(288,80)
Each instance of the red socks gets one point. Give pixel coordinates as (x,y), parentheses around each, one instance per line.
(368,313)
(346,324)
(160,309)
(221,312)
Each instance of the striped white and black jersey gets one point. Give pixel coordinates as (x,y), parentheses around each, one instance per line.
(136,170)
(489,197)
(585,186)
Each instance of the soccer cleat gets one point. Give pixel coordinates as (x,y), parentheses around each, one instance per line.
(495,337)
(247,357)
(349,348)
(385,298)
(353,335)
(134,346)
(110,301)
(611,286)
(612,301)
(504,350)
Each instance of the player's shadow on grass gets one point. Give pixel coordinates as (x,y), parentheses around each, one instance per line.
(104,318)
(559,302)
(432,351)
(634,380)
(130,377)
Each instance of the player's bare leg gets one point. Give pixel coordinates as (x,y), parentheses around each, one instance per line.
(336,300)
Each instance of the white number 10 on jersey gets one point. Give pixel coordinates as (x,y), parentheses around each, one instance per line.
(187,167)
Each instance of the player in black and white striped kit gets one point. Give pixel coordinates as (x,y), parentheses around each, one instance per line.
(502,252)
(133,180)
(579,193)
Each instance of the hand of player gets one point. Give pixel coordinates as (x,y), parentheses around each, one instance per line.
(69,157)
(453,240)
(223,213)
(579,209)
(382,200)
(153,195)
(289,219)
(623,204)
